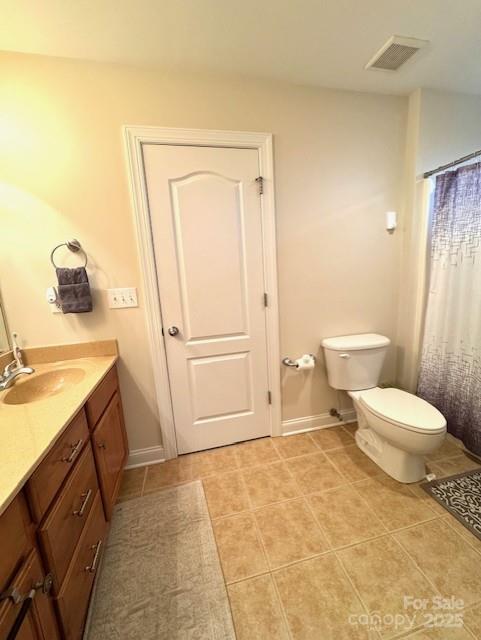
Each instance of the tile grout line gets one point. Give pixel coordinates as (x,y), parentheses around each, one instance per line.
(286,438)
(354,588)
(306,502)
(352,484)
(219,561)
(466,625)
(338,468)
(258,533)
(271,570)
(413,560)
(436,516)
(447,519)
(229,583)
(336,448)
(281,605)
(432,514)
(144,481)
(348,483)
(274,584)
(271,576)
(266,558)
(332,550)
(416,628)
(369,507)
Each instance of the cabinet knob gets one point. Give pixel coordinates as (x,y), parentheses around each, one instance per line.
(102,445)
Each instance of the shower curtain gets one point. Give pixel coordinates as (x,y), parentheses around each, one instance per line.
(450,370)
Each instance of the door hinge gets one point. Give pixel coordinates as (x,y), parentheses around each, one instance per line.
(163,331)
(269,397)
(266,300)
(260,182)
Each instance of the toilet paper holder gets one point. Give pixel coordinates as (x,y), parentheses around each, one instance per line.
(294,364)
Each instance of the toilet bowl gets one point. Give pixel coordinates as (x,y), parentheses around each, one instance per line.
(396,429)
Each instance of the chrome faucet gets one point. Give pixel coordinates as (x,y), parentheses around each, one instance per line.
(15,368)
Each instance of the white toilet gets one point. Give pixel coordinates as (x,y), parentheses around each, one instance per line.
(396,428)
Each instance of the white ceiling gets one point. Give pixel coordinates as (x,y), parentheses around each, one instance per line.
(316,42)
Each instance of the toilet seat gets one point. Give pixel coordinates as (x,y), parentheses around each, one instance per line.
(404,410)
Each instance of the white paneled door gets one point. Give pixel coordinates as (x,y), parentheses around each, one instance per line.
(207,231)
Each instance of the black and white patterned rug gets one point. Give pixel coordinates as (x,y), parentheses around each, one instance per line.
(461,496)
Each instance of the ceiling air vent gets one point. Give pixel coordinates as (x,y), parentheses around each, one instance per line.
(395,53)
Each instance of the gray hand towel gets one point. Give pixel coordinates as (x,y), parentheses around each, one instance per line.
(74,290)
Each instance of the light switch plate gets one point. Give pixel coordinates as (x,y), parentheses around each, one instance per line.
(122,298)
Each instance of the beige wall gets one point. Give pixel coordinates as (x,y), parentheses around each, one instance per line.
(449,128)
(407,354)
(4,339)
(338,163)
(441,127)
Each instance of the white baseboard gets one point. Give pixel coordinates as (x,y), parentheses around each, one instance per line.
(143,457)
(153,455)
(312,423)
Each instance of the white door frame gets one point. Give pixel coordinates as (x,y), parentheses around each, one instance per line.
(135,137)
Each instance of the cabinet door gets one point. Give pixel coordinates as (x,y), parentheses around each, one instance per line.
(39,622)
(14,540)
(110,449)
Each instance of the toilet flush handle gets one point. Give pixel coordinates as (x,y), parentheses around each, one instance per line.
(344,355)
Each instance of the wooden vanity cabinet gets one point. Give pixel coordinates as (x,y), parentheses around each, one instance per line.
(100,398)
(21,573)
(16,539)
(59,522)
(109,439)
(110,450)
(39,622)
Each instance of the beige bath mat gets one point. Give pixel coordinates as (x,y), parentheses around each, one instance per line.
(161,578)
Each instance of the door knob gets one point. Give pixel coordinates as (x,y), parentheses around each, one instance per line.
(173,331)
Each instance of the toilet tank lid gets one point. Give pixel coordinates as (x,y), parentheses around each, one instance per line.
(356,342)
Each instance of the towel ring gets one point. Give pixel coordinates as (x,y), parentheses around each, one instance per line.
(73,245)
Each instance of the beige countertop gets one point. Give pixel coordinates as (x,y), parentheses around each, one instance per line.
(28,431)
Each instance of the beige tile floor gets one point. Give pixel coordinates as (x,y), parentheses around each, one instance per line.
(315,540)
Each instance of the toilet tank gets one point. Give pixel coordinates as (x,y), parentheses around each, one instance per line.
(355,362)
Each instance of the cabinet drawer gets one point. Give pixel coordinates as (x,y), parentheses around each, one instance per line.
(39,623)
(63,526)
(48,477)
(98,401)
(74,595)
(15,541)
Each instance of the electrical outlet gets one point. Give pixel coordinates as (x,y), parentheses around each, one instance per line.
(122,298)
(52,299)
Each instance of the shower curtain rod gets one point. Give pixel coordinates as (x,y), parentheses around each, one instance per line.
(443,167)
